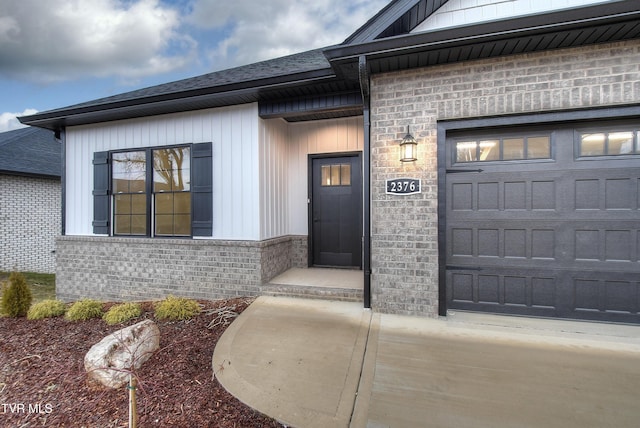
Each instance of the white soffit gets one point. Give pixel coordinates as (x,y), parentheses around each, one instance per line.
(456,13)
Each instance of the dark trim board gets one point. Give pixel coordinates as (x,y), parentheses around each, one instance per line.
(577,118)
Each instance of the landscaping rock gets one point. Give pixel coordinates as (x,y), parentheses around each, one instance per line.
(109,361)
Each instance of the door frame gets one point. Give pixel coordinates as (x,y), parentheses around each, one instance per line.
(310,159)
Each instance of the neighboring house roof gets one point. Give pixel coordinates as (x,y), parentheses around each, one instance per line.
(325,82)
(30,152)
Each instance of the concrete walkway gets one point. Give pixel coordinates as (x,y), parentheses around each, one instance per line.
(314,363)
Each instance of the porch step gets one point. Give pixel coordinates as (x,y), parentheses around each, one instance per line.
(320,283)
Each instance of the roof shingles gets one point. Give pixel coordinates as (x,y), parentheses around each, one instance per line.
(30,151)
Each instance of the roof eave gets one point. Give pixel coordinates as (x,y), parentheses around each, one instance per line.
(599,15)
(216,96)
(29,174)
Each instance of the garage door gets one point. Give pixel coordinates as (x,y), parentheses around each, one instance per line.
(544,222)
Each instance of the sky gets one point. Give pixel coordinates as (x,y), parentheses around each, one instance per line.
(57,53)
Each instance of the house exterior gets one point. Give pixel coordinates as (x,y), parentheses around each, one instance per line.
(30,206)
(522,198)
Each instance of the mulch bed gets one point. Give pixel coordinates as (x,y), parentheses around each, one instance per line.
(43,381)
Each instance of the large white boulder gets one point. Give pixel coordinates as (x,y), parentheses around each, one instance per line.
(110,361)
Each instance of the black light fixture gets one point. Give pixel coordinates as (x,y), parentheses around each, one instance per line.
(409,148)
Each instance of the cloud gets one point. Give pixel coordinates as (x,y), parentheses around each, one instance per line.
(254,31)
(55,40)
(9,121)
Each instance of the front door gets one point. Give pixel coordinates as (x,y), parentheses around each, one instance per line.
(336,211)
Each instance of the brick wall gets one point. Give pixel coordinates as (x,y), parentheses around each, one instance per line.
(118,269)
(404,228)
(299,251)
(29,223)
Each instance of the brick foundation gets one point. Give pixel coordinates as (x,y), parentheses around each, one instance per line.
(118,269)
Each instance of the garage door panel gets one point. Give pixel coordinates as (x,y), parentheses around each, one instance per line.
(606,295)
(607,192)
(609,243)
(504,291)
(486,191)
(504,286)
(476,241)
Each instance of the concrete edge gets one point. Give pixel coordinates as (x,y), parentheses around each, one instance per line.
(354,375)
(272,406)
(224,370)
(359,418)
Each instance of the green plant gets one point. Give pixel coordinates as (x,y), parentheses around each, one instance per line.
(122,312)
(176,308)
(84,309)
(16,296)
(46,309)
(43,285)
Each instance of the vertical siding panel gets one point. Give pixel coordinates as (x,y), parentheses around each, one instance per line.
(233,132)
(218,173)
(273,180)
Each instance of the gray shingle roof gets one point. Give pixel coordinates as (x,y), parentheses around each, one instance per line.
(30,151)
(250,75)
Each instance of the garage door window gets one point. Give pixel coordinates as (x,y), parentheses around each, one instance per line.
(504,149)
(611,143)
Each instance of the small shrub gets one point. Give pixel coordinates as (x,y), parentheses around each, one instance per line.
(16,296)
(122,312)
(46,309)
(176,308)
(84,309)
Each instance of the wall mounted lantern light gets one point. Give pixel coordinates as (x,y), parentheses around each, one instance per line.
(408,148)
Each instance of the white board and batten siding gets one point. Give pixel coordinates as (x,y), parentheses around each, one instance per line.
(318,137)
(456,13)
(234,134)
(260,181)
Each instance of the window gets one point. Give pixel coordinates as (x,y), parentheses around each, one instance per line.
(612,143)
(171,191)
(503,149)
(336,175)
(129,186)
(168,198)
(165,191)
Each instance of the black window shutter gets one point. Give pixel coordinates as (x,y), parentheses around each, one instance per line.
(101,193)
(201,190)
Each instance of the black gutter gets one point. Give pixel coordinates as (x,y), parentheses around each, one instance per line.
(363,72)
(565,20)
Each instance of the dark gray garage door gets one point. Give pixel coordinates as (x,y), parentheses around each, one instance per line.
(545,222)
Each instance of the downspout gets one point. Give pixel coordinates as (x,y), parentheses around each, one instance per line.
(363,74)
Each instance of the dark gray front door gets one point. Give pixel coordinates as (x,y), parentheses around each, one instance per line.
(555,233)
(336,211)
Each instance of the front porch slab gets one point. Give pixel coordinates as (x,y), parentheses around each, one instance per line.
(324,283)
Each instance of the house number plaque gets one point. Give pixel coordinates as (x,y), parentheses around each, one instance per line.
(404,186)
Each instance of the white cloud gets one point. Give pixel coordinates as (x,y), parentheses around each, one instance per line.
(9,121)
(54,40)
(260,30)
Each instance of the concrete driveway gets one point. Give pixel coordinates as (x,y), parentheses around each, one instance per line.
(315,363)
